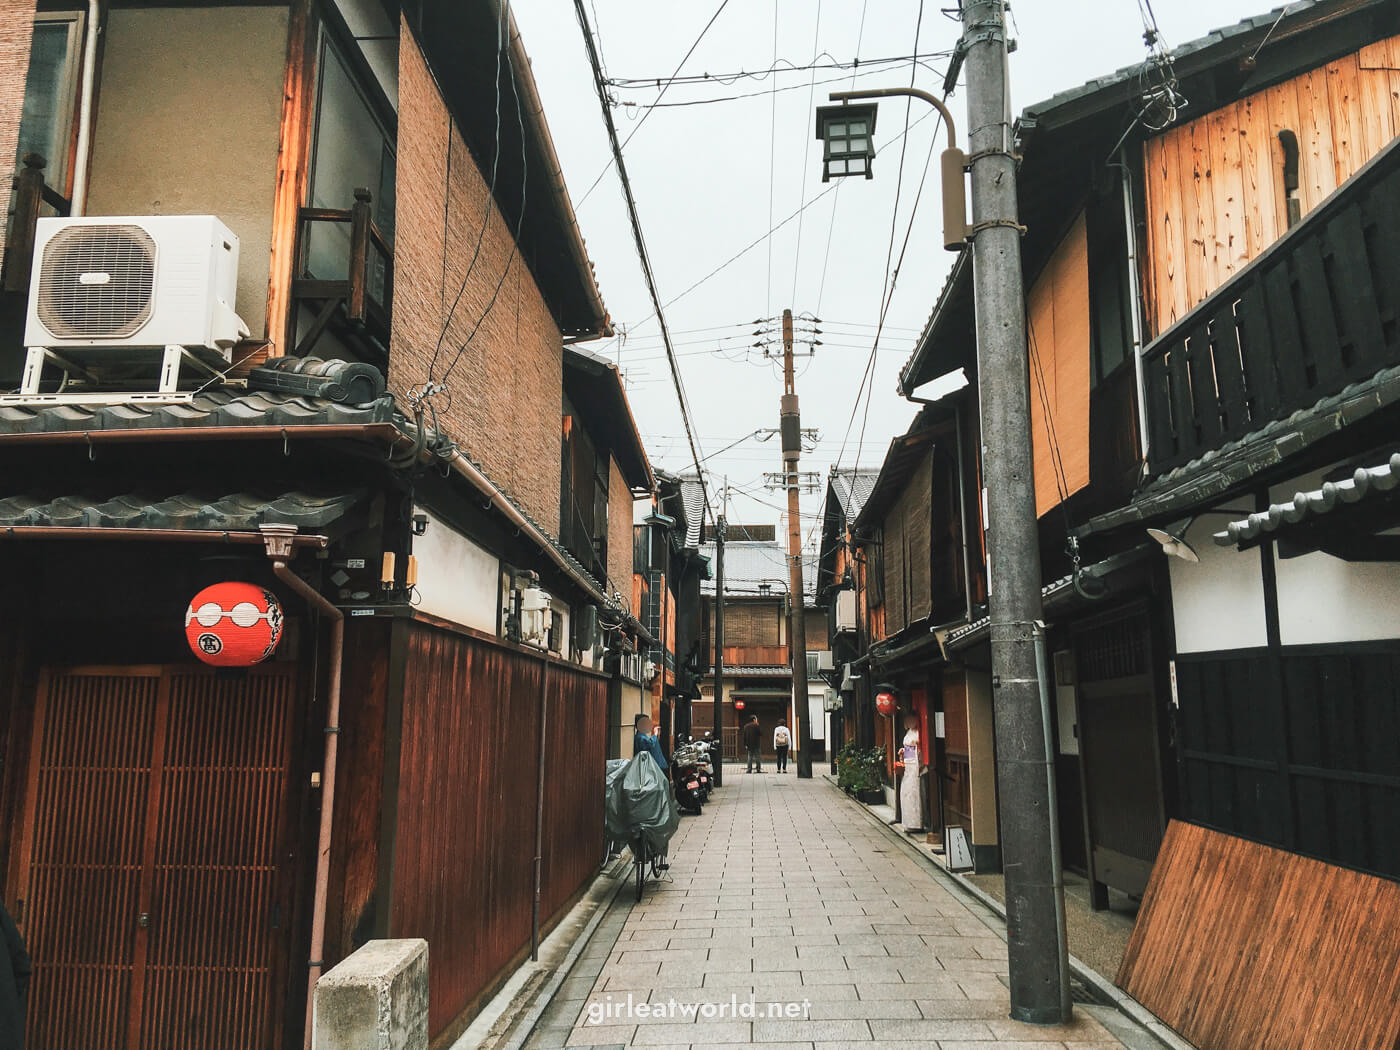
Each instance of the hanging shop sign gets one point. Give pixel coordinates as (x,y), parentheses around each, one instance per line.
(886,702)
(233,624)
(738,705)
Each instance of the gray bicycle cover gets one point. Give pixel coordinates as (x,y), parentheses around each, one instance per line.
(638,800)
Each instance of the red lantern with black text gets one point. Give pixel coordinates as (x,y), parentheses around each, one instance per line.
(886,703)
(233,624)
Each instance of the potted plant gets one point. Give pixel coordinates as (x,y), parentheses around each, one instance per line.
(860,772)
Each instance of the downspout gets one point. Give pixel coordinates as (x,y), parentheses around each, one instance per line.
(87,92)
(539,818)
(278,539)
(1135,295)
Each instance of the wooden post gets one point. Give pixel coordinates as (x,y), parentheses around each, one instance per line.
(360,218)
(29,199)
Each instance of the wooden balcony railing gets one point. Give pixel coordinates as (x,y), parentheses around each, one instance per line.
(32,195)
(755,655)
(1314,312)
(363,296)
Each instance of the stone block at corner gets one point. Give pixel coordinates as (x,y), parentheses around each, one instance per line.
(376,999)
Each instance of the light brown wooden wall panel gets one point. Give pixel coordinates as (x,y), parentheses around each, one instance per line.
(1240,946)
(1214,185)
(1058,316)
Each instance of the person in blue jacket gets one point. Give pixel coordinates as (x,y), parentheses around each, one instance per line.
(643,740)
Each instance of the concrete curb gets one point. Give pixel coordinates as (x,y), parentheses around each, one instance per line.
(516,1010)
(1125,1003)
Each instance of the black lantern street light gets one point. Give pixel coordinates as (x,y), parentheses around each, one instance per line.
(846,131)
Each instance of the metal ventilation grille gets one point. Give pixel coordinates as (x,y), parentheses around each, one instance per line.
(97,282)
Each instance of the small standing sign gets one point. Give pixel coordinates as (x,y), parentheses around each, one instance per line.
(959,854)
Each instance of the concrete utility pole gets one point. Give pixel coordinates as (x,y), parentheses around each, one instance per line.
(1034,892)
(790,425)
(717,626)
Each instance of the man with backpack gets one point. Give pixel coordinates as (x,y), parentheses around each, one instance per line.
(782,741)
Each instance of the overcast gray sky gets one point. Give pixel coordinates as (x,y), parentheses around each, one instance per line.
(712,178)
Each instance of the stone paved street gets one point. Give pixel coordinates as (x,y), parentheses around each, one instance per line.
(785,892)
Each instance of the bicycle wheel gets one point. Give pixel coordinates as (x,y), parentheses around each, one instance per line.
(641,869)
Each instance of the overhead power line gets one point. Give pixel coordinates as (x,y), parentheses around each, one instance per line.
(774,229)
(779,66)
(603,91)
(640,240)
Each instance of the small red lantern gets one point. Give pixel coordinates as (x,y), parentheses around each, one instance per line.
(886,703)
(233,624)
(738,705)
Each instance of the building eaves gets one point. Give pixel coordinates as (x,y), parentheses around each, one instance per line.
(211,510)
(948,339)
(1222,45)
(1366,481)
(602,400)
(758,671)
(1220,472)
(905,454)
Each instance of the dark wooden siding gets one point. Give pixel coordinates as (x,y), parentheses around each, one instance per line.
(1238,946)
(1297,751)
(464,848)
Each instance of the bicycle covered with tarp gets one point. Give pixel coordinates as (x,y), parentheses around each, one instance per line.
(639,810)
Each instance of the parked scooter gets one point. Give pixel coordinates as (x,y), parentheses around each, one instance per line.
(685,771)
(705,771)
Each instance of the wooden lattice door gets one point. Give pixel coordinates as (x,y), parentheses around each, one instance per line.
(148,865)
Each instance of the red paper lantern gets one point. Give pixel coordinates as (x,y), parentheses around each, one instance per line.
(233,624)
(886,703)
(738,705)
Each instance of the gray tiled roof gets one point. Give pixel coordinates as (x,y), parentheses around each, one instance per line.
(758,671)
(747,563)
(852,489)
(216,408)
(1364,482)
(206,510)
(1219,472)
(1260,22)
(693,496)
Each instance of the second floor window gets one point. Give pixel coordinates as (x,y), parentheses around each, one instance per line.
(352,148)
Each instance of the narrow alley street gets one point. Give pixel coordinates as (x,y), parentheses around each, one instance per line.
(786,892)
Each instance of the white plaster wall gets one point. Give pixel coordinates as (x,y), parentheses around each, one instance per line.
(1322,599)
(457,579)
(1217,603)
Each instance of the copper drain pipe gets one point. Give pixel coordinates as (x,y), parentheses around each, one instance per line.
(280,547)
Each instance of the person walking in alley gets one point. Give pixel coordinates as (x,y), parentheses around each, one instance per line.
(753,744)
(14,979)
(782,741)
(644,740)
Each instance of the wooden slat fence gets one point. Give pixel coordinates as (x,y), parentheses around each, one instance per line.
(464,853)
(1240,946)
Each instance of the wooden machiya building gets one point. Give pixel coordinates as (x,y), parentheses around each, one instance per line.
(1213,355)
(394,442)
(667,574)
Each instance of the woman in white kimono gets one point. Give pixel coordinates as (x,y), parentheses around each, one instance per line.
(911,797)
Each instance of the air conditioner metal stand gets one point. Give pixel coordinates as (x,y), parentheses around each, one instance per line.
(173,359)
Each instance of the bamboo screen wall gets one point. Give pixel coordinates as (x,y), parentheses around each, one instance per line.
(464,853)
(1058,316)
(1215,196)
(1240,946)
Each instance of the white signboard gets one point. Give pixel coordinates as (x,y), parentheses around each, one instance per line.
(959,853)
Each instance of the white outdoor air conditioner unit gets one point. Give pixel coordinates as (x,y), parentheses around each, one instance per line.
(845,612)
(824,661)
(156,281)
